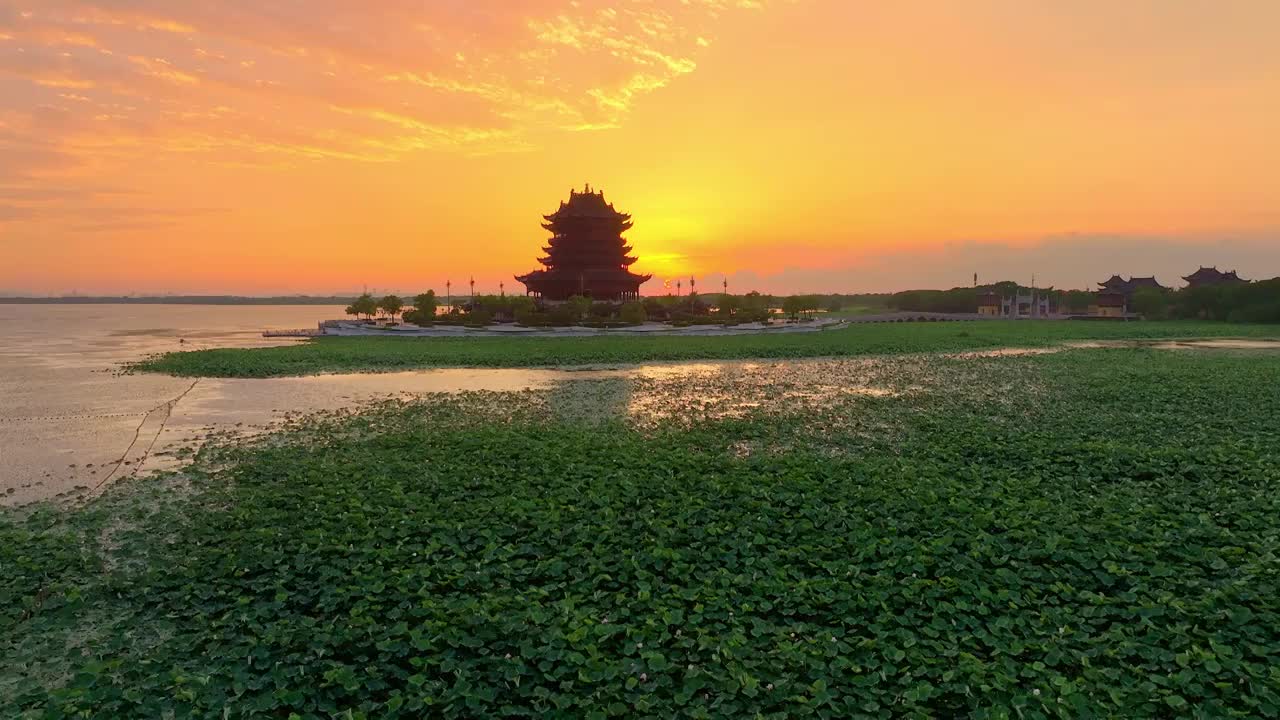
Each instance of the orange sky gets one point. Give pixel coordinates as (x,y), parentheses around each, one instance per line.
(795,145)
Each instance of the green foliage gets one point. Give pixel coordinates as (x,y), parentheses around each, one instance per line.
(564,314)
(1084,534)
(391,305)
(755,307)
(957,300)
(577,307)
(603,310)
(1151,303)
(425,304)
(633,313)
(1077,301)
(530,317)
(338,354)
(1243,302)
(794,305)
(503,307)
(363,306)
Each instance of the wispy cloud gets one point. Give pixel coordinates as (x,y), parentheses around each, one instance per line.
(243,83)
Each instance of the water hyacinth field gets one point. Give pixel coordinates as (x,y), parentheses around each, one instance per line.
(1085,533)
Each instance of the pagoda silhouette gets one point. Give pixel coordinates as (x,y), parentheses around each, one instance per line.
(586,254)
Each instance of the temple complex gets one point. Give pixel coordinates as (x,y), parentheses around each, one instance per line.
(1207,277)
(586,254)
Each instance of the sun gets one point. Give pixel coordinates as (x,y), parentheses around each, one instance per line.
(663,266)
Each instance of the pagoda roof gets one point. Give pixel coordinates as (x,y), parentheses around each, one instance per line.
(1118,284)
(597,273)
(586,204)
(1209,275)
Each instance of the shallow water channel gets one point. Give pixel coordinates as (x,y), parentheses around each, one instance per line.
(71,424)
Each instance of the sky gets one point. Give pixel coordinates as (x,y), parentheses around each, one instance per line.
(316,146)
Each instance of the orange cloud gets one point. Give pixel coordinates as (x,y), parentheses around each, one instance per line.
(427,138)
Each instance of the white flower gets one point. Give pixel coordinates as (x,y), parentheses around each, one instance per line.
(1036,691)
(644,677)
(639,645)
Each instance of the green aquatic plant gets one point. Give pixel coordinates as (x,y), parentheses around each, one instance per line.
(1092,533)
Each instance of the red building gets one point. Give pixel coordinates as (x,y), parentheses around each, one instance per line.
(586,254)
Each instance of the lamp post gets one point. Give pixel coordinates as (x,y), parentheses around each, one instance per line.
(448,292)
(679,286)
(502,289)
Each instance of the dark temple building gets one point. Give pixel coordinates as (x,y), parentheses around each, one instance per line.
(1119,285)
(586,254)
(1116,294)
(1207,277)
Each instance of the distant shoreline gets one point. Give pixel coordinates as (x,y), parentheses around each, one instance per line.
(181,300)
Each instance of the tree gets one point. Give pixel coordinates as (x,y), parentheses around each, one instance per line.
(1077,301)
(424,309)
(426,303)
(391,305)
(1151,303)
(755,306)
(727,304)
(793,305)
(364,306)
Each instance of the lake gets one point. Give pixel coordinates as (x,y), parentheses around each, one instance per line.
(71,423)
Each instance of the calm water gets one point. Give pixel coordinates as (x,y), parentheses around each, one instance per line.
(106,334)
(71,424)
(68,420)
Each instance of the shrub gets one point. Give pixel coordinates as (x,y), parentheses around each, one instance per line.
(416,317)
(530,317)
(633,313)
(563,315)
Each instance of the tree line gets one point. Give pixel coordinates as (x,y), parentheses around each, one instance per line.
(1246,302)
(1256,302)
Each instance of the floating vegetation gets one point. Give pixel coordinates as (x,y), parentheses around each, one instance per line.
(1091,533)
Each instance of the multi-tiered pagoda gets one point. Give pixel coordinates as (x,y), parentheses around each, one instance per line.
(586,254)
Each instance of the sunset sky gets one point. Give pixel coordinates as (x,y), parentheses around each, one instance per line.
(315,146)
